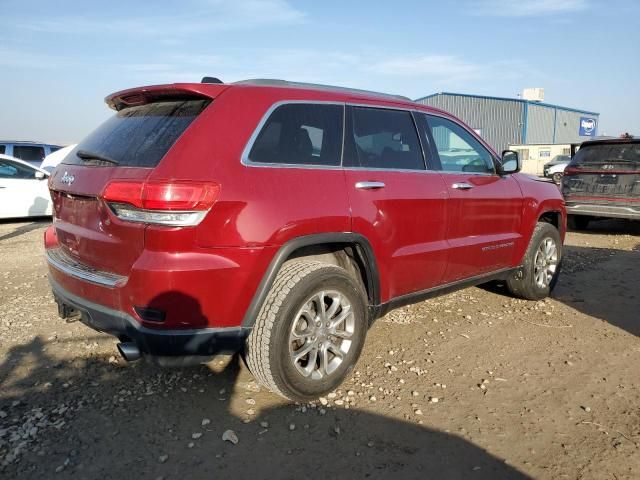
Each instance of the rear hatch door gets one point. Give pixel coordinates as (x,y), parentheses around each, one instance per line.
(128,146)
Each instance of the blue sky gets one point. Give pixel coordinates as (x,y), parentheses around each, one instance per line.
(60,59)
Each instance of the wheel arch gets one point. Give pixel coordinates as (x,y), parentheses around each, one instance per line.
(351,251)
(553,217)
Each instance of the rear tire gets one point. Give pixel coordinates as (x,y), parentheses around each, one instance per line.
(578,222)
(309,332)
(540,268)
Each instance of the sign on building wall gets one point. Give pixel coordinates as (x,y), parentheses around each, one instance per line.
(588,127)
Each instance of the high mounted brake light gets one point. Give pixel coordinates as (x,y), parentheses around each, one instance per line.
(161,203)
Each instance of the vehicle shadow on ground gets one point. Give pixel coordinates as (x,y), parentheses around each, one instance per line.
(614,299)
(613,226)
(102,420)
(24,228)
(582,286)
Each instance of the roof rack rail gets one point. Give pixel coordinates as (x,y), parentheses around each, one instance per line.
(274,82)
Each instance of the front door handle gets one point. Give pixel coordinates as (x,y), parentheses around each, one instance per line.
(369,185)
(462,186)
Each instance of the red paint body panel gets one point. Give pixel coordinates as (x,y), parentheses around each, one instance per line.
(422,232)
(485,229)
(406,224)
(199,288)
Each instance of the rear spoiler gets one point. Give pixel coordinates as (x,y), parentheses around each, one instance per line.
(177,91)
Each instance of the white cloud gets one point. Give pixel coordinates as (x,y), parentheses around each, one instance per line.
(412,75)
(527,8)
(14,58)
(434,66)
(202,16)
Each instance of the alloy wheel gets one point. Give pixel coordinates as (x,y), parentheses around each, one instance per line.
(320,335)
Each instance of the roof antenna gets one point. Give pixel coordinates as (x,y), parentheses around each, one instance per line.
(210,80)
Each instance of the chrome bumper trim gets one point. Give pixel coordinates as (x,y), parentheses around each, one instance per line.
(64,263)
(599,210)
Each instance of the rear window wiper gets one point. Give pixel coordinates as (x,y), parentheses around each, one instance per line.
(86,155)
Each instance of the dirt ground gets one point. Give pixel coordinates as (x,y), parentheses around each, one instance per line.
(470,385)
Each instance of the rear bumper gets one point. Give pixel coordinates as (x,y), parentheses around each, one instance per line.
(202,342)
(192,290)
(603,210)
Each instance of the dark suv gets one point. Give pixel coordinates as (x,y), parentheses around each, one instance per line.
(281,219)
(603,181)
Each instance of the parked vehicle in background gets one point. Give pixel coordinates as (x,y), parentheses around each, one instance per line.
(603,181)
(52,160)
(288,231)
(32,152)
(556,172)
(555,168)
(23,189)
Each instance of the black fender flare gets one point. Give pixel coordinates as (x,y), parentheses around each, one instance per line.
(359,241)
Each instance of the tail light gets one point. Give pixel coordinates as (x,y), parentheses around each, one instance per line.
(569,170)
(161,203)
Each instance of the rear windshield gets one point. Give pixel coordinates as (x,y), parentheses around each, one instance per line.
(608,153)
(137,136)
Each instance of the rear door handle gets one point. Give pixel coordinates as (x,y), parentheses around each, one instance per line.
(462,186)
(369,185)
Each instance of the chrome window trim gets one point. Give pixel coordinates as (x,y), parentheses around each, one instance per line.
(60,261)
(246,161)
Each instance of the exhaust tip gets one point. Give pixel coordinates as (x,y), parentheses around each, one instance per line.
(129,351)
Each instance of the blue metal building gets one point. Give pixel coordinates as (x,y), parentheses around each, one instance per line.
(513,121)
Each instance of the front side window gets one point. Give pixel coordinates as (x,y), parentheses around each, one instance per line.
(9,169)
(28,153)
(383,138)
(457,149)
(3,148)
(300,134)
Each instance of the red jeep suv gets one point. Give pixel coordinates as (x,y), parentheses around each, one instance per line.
(281,219)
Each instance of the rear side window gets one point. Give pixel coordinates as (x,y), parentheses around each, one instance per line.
(138,136)
(300,134)
(608,153)
(382,138)
(3,148)
(28,153)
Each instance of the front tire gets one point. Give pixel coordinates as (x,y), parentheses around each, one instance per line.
(557,177)
(540,268)
(309,332)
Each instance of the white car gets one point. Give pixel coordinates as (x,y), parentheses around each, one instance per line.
(52,160)
(23,189)
(556,172)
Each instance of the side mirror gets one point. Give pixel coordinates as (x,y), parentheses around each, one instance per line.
(510,162)
(39,175)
